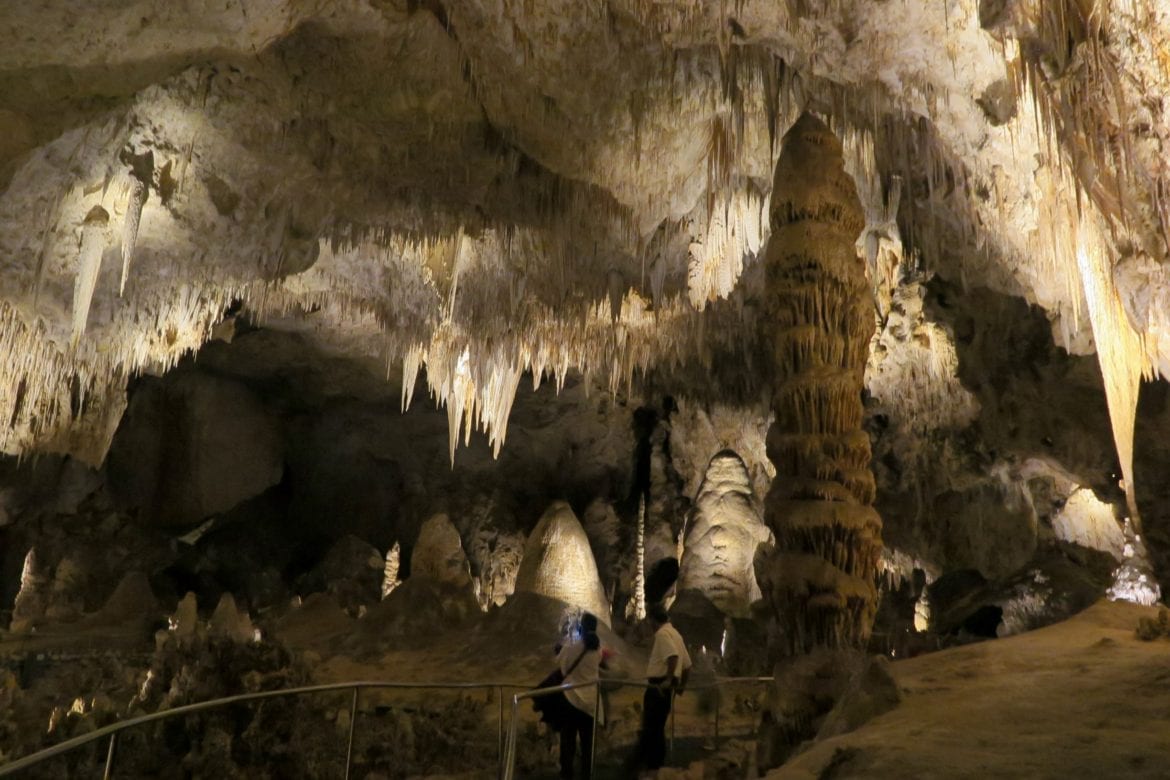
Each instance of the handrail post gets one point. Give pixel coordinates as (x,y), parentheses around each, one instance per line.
(593,740)
(510,755)
(718,697)
(673,703)
(352,722)
(500,732)
(110,757)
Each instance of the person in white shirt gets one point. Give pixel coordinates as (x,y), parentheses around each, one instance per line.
(667,673)
(580,661)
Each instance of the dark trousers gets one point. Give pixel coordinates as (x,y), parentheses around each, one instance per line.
(655,712)
(577,724)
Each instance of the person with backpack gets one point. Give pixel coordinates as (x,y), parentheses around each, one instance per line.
(580,661)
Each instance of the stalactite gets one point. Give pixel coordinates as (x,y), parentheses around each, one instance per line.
(130,227)
(1078,100)
(411,365)
(821,577)
(89,263)
(1120,353)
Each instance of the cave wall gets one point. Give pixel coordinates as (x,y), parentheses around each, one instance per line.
(285,451)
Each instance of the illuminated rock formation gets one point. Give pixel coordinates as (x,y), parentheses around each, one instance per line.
(722,537)
(390,579)
(820,577)
(558,563)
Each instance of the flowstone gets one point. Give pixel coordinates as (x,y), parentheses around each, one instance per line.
(721,541)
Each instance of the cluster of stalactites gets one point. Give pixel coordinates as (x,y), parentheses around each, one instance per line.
(70,400)
(477,336)
(821,577)
(1079,94)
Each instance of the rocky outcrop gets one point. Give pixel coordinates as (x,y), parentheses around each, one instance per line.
(31,600)
(558,563)
(131,604)
(722,537)
(352,572)
(193,445)
(230,622)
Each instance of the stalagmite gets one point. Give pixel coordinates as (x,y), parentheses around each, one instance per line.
(89,263)
(558,563)
(390,579)
(721,540)
(820,578)
(640,563)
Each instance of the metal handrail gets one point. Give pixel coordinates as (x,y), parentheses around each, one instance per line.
(113,729)
(506,750)
(509,768)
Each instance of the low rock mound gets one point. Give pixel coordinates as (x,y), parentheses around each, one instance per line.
(438,554)
(421,607)
(131,604)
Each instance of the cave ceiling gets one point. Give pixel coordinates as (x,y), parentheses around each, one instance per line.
(493,188)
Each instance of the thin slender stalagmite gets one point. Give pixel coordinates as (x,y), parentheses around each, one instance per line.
(820,579)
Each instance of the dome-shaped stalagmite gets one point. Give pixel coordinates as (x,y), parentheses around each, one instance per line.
(820,577)
(438,553)
(558,563)
(722,537)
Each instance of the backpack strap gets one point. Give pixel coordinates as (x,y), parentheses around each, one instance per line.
(584,650)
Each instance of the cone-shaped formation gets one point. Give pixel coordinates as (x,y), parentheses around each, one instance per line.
(721,544)
(230,622)
(558,563)
(820,578)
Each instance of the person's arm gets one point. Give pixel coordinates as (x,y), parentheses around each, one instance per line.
(671,665)
(682,680)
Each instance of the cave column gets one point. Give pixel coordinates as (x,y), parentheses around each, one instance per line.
(820,578)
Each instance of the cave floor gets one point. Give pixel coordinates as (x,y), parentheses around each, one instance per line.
(1082,698)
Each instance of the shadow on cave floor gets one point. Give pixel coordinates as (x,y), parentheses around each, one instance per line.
(611,761)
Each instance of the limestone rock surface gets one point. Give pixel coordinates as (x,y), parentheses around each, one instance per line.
(192,446)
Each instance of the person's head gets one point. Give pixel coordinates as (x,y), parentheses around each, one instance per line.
(588,623)
(658,616)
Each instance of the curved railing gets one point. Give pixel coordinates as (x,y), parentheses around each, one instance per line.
(114,729)
(506,749)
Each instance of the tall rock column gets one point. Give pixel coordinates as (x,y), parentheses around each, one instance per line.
(819,579)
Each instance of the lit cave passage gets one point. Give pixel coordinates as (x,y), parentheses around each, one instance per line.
(378,341)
